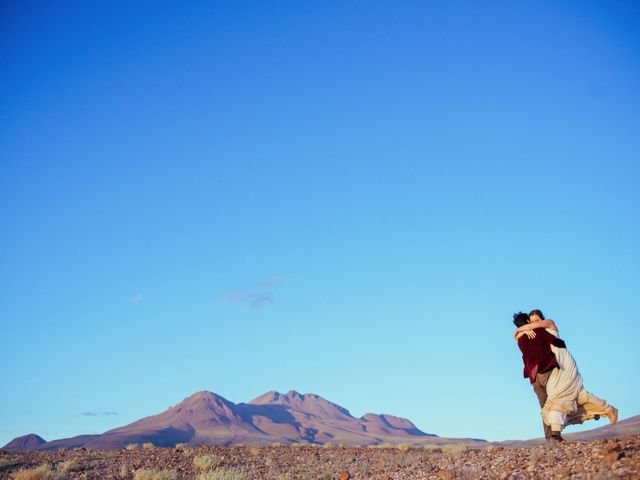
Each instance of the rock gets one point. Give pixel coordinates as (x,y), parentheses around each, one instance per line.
(344,475)
(614,455)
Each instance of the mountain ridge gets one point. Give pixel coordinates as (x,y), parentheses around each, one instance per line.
(206,418)
(273,417)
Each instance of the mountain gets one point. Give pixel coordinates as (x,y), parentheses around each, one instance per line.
(628,426)
(25,442)
(274,417)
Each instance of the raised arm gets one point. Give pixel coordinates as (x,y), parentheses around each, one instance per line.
(528,333)
(541,324)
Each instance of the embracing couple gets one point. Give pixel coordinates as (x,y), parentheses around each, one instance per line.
(555,378)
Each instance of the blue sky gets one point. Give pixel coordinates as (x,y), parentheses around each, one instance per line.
(343,198)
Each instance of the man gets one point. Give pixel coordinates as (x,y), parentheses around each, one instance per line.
(539,362)
(565,399)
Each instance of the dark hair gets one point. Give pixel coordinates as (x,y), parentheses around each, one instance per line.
(520,319)
(537,312)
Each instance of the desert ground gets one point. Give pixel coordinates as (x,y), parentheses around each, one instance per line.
(600,459)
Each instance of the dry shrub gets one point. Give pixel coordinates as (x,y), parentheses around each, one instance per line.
(131,446)
(148,445)
(43,472)
(223,474)
(454,448)
(404,447)
(143,474)
(124,471)
(205,462)
(328,445)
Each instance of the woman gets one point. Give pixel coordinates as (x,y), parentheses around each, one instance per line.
(567,400)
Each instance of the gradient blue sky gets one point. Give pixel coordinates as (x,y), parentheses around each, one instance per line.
(343,198)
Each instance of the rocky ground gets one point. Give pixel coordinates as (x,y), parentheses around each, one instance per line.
(601,459)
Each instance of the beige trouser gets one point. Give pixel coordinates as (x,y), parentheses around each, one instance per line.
(540,389)
(588,407)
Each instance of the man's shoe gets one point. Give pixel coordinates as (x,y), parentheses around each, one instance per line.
(554,442)
(613,415)
(556,437)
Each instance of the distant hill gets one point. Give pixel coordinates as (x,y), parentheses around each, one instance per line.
(25,442)
(628,426)
(208,418)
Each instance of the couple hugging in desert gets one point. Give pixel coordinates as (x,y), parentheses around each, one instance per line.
(555,378)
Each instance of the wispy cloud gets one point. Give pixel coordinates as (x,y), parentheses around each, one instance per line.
(249,300)
(255,298)
(97,414)
(271,281)
(138,297)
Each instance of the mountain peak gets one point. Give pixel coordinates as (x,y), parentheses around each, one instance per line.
(304,402)
(25,442)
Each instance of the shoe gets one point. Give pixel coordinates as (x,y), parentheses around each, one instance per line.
(556,437)
(554,442)
(613,415)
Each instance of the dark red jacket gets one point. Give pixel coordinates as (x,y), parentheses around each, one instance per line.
(537,354)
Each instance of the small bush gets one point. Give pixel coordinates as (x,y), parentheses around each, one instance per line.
(67,466)
(43,472)
(131,446)
(205,462)
(148,445)
(124,471)
(328,445)
(180,446)
(155,475)
(454,448)
(404,447)
(223,474)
